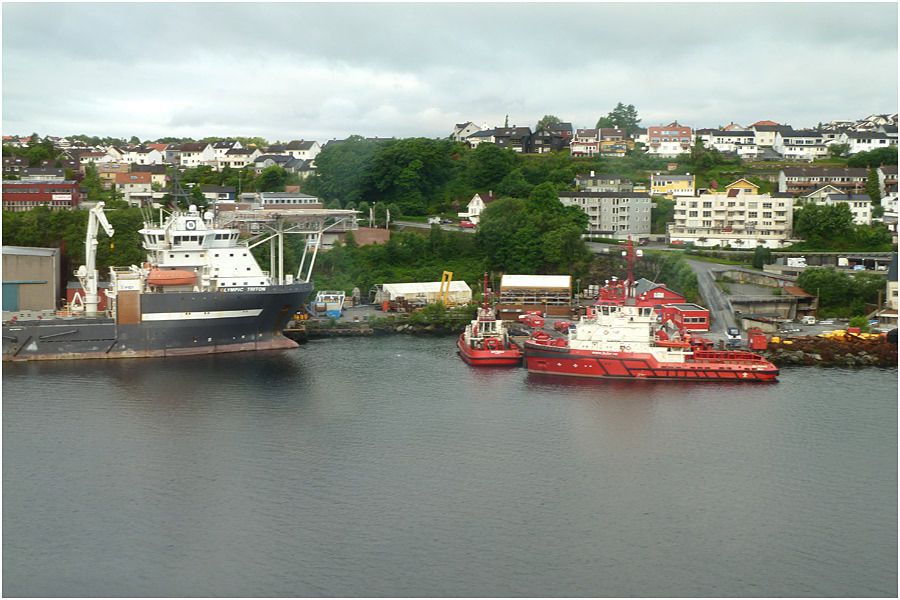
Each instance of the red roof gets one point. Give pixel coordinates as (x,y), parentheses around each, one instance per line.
(793,290)
(132,178)
(765,124)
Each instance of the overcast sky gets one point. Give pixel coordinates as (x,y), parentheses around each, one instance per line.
(322,71)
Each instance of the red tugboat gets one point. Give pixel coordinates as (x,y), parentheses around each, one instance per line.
(485,342)
(622,340)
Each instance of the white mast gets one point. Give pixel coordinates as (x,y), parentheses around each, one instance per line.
(87,273)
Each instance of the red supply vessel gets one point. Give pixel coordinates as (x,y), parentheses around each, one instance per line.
(626,341)
(485,342)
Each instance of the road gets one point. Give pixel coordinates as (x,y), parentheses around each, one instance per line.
(721,313)
(415,225)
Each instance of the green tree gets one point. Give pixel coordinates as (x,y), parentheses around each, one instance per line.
(860,321)
(343,170)
(662,212)
(546,121)
(412,171)
(840,293)
(874,158)
(838,150)
(514,185)
(624,117)
(605,122)
(488,165)
(819,224)
(872,187)
(537,235)
(762,256)
(272,179)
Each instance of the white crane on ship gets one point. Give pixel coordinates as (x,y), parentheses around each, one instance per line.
(87,273)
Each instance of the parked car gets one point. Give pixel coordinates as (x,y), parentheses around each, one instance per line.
(733,335)
(446,221)
(467,225)
(808,320)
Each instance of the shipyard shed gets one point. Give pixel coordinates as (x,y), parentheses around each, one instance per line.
(424,292)
(549,294)
(31,278)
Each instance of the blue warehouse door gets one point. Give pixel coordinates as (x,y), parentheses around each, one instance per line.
(11,296)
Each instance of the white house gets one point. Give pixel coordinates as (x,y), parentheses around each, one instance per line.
(221,148)
(95,157)
(481,137)
(136,188)
(117,154)
(742,143)
(800,145)
(864,141)
(476,206)
(461,131)
(303,149)
(143,156)
(194,154)
(860,204)
(764,135)
(238,158)
(640,136)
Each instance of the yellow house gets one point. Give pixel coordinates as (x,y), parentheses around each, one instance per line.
(742,184)
(671,185)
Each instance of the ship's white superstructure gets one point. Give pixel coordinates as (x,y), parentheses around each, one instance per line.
(617,328)
(189,241)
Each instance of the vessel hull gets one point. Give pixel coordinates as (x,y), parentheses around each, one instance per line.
(510,357)
(170,324)
(625,365)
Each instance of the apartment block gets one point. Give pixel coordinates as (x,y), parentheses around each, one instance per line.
(612,214)
(799,181)
(737,219)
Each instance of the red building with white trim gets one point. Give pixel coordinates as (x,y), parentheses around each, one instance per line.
(686,317)
(19,196)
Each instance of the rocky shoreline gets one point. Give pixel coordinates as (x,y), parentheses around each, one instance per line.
(815,351)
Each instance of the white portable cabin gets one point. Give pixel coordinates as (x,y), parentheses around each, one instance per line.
(551,294)
(427,292)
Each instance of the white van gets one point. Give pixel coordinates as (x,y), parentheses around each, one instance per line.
(808,320)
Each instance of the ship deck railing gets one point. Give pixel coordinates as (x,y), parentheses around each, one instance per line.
(726,356)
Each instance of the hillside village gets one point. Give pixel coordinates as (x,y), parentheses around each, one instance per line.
(735,214)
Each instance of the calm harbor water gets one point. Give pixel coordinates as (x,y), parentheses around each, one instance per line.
(387,467)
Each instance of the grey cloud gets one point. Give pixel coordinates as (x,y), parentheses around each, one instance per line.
(329,70)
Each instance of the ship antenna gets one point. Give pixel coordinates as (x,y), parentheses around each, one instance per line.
(628,253)
(485,290)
